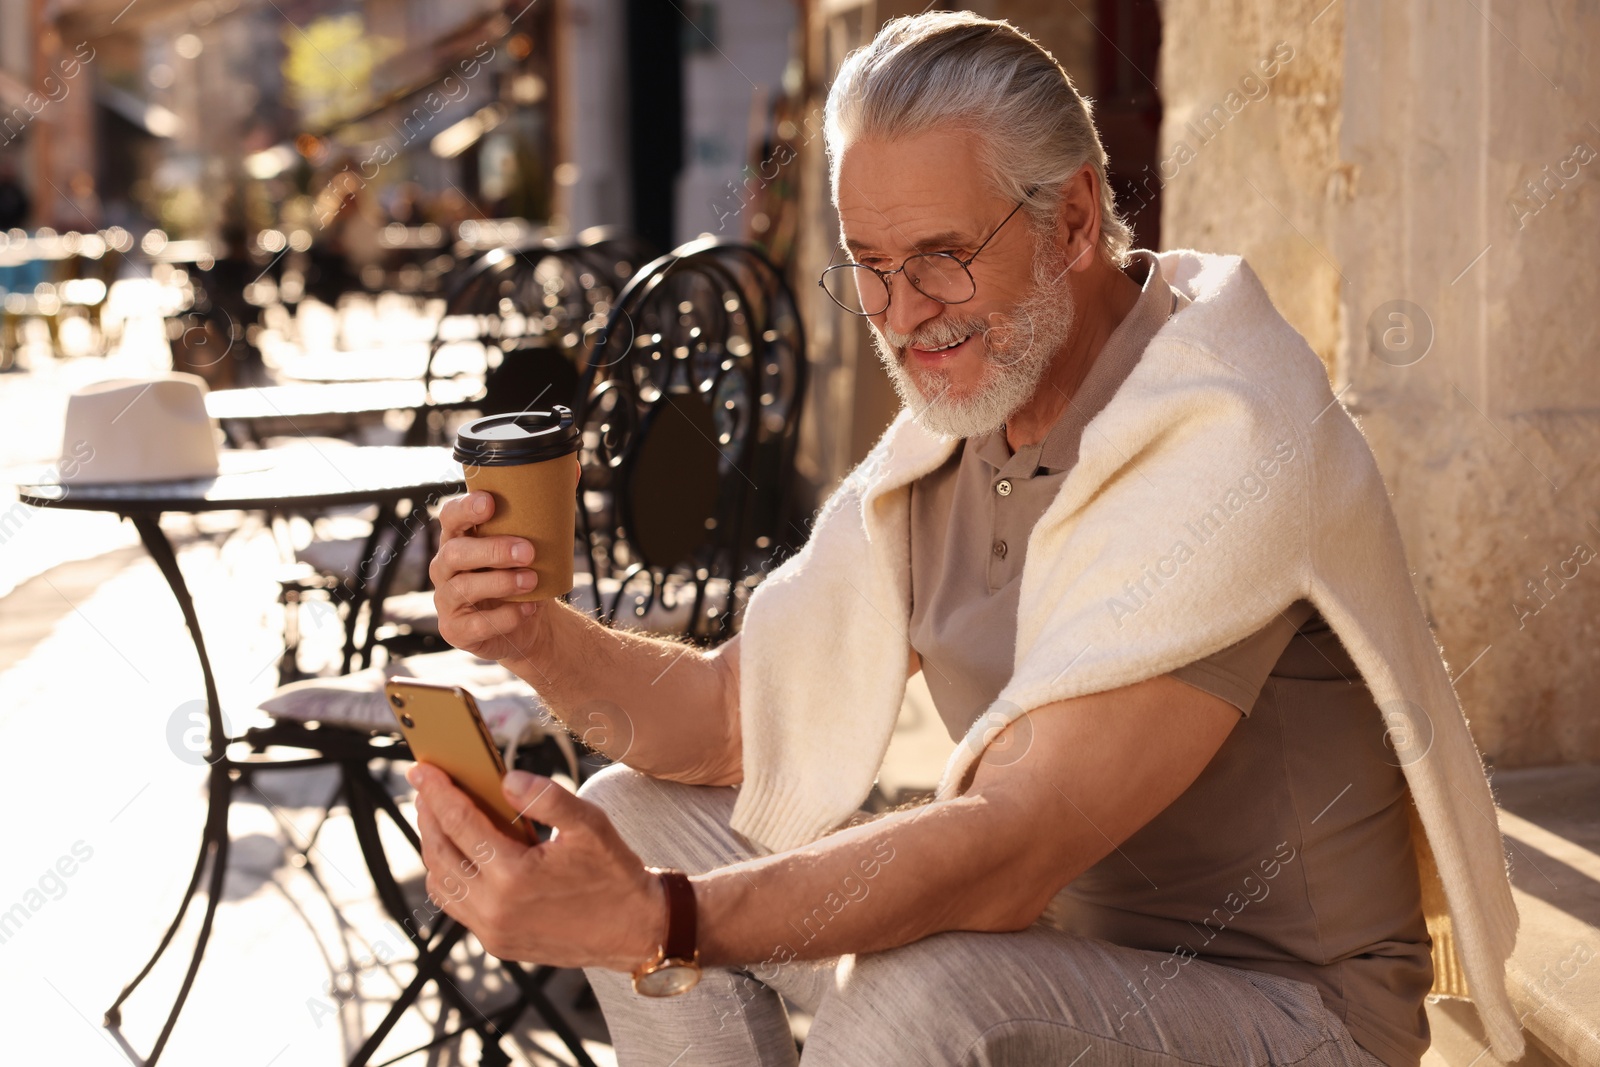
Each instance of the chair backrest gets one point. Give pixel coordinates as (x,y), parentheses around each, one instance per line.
(691,400)
(531,307)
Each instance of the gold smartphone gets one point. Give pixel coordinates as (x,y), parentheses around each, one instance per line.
(442,726)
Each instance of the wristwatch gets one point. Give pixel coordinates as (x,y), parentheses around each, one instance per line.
(676,967)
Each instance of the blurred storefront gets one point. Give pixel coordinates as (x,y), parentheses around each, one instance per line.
(234,115)
(209,117)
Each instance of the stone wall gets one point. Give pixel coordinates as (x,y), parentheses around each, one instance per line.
(1250,147)
(1416,189)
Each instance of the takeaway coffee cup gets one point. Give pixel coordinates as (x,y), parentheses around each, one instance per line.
(525,461)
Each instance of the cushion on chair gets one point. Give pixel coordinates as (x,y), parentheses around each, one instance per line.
(513,711)
(341,557)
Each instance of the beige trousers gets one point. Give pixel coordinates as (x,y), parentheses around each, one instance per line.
(1037,997)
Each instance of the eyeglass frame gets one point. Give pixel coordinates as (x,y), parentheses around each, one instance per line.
(885,275)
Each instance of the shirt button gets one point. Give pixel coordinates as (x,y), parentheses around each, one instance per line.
(1003,487)
(1000,549)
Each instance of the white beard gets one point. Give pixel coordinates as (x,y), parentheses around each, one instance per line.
(1017,350)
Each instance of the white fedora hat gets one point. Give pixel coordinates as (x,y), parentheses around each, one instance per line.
(128,430)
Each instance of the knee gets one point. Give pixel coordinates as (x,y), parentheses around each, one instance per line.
(882,978)
(629,798)
(956,997)
(977,976)
(894,1006)
(613,787)
(659,820)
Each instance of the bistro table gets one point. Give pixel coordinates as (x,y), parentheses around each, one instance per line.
(252,413)
(402,481)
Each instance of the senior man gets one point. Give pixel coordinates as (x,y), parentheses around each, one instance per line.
(1210,767)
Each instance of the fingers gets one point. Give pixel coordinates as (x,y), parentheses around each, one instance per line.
(541,800)
(441,858)
(453,826)
(462,513)
(439,852)
(474,553)
(474,627)
(476,587)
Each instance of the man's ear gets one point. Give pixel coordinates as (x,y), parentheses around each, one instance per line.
(1078,218)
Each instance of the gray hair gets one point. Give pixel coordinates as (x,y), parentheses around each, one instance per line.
(944,68)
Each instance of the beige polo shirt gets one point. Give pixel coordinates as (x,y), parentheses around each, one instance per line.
(1291,853)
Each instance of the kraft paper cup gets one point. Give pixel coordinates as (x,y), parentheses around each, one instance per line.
(526,462)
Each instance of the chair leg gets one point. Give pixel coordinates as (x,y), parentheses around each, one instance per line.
(289,661)
(531,986)
(430,965)
(365,796)
(385,800)
(316,831)
(358,792)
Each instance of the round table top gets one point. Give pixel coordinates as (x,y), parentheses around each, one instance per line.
(301,475)
(306,399)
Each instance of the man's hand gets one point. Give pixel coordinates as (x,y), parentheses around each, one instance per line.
(581,899)
(473,575)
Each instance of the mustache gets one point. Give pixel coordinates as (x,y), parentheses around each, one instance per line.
(935,334)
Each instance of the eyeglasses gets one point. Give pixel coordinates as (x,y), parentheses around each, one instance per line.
(941,276)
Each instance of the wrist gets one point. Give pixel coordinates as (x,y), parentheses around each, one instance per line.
(675,966)
(530,658)
(649,935)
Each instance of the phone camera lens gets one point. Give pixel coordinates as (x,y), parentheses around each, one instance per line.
(407,721)
(397,700)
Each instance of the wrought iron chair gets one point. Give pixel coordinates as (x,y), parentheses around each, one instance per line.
(519,316)
(691,408)
(691,402)
(690,398)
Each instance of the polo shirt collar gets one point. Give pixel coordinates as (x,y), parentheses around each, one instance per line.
(1116,360)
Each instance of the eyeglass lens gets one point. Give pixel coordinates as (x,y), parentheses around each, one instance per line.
(865,292)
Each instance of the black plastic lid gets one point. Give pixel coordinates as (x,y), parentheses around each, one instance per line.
(522,437)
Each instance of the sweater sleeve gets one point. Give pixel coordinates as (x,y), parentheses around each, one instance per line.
(812,749)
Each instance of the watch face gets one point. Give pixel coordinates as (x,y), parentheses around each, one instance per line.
(668,980)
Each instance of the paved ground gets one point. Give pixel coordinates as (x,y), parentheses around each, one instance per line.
(99,683)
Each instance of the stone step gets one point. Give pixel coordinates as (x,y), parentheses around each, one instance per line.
(1551,821)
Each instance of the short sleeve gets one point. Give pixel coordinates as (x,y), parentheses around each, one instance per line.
(1238,673)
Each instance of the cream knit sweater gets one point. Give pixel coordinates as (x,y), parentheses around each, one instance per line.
(1222,483)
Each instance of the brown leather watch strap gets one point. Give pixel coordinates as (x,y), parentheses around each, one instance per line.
(682,916)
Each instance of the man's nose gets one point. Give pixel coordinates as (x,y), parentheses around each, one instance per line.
(909,307)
